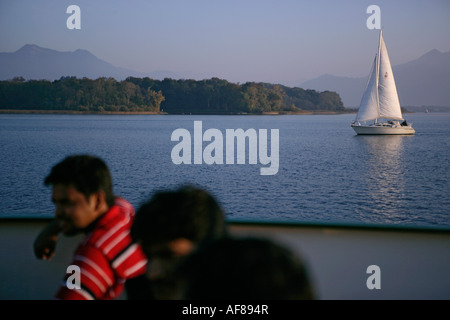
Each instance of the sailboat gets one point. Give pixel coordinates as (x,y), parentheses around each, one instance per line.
(380,100)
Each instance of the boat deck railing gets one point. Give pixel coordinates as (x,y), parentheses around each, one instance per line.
(414,263)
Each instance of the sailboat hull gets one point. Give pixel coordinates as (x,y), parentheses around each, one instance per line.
(383,129)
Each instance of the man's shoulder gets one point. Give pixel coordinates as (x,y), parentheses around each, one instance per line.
(115,223)
(124,205)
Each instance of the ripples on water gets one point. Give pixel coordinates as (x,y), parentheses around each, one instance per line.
(327,173)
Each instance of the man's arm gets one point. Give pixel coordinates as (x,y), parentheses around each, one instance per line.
(45,243)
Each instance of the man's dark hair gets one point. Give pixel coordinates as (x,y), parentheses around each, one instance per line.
(245,268)
(188,212)
(86,173)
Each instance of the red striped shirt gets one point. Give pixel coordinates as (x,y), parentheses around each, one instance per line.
(107,257)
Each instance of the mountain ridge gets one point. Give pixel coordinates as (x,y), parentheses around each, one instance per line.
(54,64)
(423,81)
(33,62)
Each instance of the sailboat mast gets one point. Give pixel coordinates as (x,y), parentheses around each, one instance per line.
(378,74)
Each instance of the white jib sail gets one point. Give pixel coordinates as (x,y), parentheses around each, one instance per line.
(368,108)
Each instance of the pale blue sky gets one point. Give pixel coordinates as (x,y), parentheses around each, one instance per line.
(282,41)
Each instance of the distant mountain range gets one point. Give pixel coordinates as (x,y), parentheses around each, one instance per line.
(37,63)
(421,82)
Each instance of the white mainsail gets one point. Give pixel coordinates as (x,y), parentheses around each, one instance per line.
(387,91)
(380,99)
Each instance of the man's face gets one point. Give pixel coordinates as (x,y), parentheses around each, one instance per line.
(73,211)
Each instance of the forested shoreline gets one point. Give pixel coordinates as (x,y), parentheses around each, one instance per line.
(211,96)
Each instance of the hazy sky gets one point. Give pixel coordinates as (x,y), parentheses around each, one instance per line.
(282,41)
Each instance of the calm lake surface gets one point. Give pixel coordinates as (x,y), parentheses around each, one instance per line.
(326,172)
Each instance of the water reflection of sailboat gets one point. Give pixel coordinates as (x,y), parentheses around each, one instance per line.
(385,176)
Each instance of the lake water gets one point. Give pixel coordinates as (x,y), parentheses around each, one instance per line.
(326,172)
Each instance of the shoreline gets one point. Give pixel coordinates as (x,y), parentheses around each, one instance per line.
(11,111)
(275,113)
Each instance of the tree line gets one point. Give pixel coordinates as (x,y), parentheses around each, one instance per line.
(211,96)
